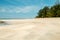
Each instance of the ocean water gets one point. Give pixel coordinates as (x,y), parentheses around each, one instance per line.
(9,18)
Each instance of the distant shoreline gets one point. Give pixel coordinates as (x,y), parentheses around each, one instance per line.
(14,18)
(28,18)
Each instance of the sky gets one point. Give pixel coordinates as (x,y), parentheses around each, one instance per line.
(22,8)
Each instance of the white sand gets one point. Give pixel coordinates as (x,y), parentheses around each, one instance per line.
(31,29)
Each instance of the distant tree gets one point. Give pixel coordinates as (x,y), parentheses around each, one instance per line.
(58,13)
(53,11)
(45,11)
(42,13)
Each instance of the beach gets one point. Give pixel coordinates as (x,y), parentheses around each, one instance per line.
(31,29)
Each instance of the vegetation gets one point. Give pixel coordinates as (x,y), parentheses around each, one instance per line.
(53,11)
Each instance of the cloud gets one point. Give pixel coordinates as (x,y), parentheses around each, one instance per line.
(25,9)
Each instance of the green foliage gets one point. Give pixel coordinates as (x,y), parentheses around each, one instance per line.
(53,11)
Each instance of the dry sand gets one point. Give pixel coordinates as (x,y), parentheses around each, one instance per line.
(31,29)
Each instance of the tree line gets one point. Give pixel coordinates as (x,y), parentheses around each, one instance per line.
(53,11)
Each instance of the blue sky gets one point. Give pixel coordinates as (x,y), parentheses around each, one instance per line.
(22,8)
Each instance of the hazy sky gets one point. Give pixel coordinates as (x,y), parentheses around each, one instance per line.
(22,8)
